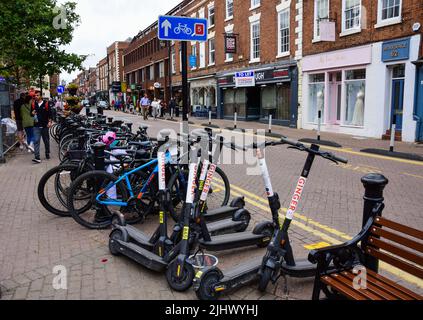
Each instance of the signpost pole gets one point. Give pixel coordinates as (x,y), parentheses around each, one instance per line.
(393,130)
(319,125)
(235,120)
(270,123)
(185,101)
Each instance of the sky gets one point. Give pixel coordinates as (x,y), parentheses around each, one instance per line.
(106,21)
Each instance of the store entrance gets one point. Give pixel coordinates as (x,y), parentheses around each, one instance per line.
(397,104)
(335,98)
(253,103)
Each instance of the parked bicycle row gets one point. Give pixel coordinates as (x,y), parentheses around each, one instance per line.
(110,177)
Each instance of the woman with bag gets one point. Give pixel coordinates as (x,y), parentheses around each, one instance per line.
(28,122)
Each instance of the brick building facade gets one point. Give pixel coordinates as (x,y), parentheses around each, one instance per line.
(367,76)
(115,64)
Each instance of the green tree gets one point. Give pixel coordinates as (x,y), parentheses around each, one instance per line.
(33,36)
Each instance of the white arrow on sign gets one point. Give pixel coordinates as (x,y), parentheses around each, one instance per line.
(166,25)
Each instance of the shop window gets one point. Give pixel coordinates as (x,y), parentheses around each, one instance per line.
(316,96)
(355,84)
(275,101)
(235,100)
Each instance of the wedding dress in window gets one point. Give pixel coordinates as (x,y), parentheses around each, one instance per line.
(320,105)
(358,117)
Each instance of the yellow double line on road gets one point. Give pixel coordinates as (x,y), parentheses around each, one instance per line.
(304,223)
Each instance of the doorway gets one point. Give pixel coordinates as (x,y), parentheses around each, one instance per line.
(253,103)
(335,98)
(397,100)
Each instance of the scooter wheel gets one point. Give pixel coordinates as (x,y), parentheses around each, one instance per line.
(205,291)
(182,283)
(113,246)
(265,277)
(244,216)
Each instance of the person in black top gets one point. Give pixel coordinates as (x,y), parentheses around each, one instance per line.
(18,118)
(43,121)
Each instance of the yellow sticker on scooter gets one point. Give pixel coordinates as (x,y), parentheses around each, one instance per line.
(186,233)
(199,274)
(161,217)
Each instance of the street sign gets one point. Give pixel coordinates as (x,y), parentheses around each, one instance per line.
(192,61)
(60,90)
(245,79)
(182,29)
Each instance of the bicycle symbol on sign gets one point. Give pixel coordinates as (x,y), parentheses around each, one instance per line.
(182,28)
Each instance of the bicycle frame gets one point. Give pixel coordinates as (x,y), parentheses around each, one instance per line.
(125,178)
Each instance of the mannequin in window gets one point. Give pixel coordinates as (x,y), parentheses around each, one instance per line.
(358,117)
(320,105)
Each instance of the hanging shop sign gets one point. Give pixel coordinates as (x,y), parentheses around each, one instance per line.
(230,44)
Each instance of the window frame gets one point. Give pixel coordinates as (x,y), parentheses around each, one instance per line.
(316,23)
(255,5)
(212,40)
(353,29)
(254,59)
(280,52)
(210,25)
(227,11)
(389,21)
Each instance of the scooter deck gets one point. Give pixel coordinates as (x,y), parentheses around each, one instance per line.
(302,269)
(142,256)
(224,225)
(232,241)
(249,268)
(220,213)
(139,237)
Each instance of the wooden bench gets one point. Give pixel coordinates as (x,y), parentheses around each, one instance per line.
(380,240)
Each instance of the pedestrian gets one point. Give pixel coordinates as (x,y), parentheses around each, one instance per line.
(172,107)
(155,105)
(42,123)
(18,118)
(145,106)
(28,122)
(179,107)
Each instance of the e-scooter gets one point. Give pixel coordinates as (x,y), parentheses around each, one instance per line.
(160,253)
(279,259)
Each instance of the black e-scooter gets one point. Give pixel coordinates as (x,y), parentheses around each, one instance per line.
(279,259)
(160,253)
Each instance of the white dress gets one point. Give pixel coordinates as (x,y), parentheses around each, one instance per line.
(358,117)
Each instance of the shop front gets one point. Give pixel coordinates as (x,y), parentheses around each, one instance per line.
(418,103)
(360,91)
(203,94)
(271,91)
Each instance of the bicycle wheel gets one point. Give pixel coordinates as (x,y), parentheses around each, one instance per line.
(54,187)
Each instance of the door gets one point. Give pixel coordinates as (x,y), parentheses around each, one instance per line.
(335,99)
(419,103)
(397,105)
(253,103)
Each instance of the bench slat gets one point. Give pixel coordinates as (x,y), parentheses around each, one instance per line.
(395,286)
(407,267)
(399,227)
(345,290)
(377,287)
(349,283)
(397,238)
(410,256)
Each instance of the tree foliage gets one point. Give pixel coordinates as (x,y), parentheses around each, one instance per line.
(31,45)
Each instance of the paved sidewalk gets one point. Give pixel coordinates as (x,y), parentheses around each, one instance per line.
(34,241)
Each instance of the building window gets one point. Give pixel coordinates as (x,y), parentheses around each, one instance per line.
(389,11)
(211,16)
(355,84)
(351,14)
(321,12)
(212,52)
(255,4)
(284,32)
(316,96)
(162,69)
(255,41)
(151,72)
(142,75)
(194,53)
(229,9)
(180,59)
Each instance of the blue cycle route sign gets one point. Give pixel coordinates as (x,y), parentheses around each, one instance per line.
(182,29)
(60,89)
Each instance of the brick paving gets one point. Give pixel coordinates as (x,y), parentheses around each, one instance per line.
(34,241)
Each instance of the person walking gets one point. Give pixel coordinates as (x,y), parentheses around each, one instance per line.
(42,123)
(172,107)
(28,122)
(18,118)
(145,106)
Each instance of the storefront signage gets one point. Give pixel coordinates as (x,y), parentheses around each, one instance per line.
(396,50)
(245,79)
(230,44)
(116,86)
(157,85)
(260,77)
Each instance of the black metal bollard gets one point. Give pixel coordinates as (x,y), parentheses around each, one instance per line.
(81,138)
(99,156)
(374,185)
